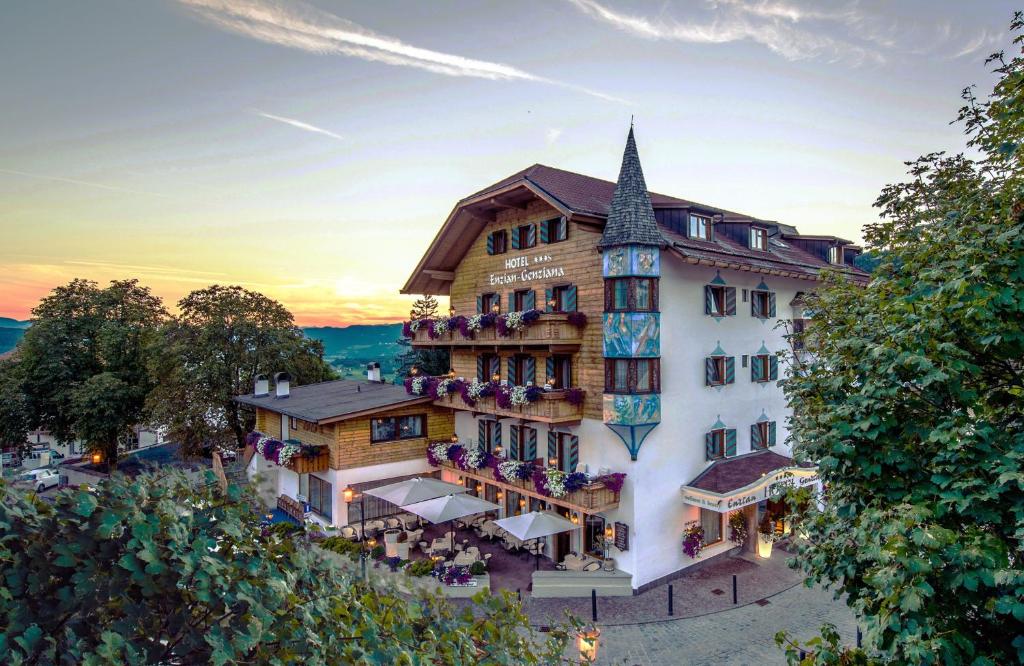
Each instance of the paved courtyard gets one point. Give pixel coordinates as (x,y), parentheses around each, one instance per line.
(738,636)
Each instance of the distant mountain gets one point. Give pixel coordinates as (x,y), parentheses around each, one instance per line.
(7,322)
(9,338)
(364,342)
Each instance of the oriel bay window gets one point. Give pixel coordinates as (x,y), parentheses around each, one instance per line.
(554,230)
(762,304)
(762,435)
(497,242)
(391,428)
(719,301)
(561,298)
(563,451)
(320,496)
(720,443)
(522,444)
(631,295)
(632,375)
(719,370)
(764,368)
(524,236)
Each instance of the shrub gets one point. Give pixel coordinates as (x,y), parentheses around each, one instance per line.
(477,568)
(420,568)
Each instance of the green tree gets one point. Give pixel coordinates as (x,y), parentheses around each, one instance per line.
(428,361)
(83,340)
(223,337)
(15,420)
(914,406)
(156,570)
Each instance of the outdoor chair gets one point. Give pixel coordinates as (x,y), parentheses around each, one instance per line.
(349,532)
(592,565)
(414,535)
(392,523)
(424,547)
(486,559)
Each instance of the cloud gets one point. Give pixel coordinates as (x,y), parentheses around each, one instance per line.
(300,26)
(299,124)
(552,135)
(851,33)
(84,183)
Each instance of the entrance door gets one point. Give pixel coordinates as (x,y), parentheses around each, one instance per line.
(563,540)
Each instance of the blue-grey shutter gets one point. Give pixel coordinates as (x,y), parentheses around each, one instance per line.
(730,369)
(771,433)
(771,304)
(512,378)
(709,300)
(480,369)
(549,368)
(709,371)
(552,444)
(513,443)
(479,304)
(709,446)
(481,427)
(753,306)
(548,294)
(530,300)
(531,444)
(490,243)
(531,235)
(511,301)
(574,454)
(495,368)
(570,298)
(497,434)
(544,232)
(563,229)
(773,367)
(530,370)
(730,442)
(730,301)
(755,436)
(515,238)
(755,369)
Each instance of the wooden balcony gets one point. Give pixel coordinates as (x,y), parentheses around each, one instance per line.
(319,463)
(550,407)
(593,498)
(551,331)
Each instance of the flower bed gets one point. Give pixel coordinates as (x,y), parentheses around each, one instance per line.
(278,452)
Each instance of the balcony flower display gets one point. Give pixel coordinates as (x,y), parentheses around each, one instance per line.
(509,323)
(613,481)
(441,452)
(443,387)
(276,451)
(577,319)
(508,397)
(512,470)
(556,483)
(476,389)
(417,385)
(574,397)
(470,459)
(437,327)
(693,540)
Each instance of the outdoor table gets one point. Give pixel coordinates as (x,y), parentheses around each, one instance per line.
(441,545)
(489,528)
(465,559)
(408,520)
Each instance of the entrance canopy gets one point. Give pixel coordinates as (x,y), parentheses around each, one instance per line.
(733,483)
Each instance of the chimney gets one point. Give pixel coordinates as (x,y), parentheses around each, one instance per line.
(262,386)
(373,372)
(282,382)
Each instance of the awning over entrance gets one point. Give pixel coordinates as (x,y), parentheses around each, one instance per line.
(733,483)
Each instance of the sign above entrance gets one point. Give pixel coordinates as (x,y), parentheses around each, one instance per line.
(767,487)
(519,270)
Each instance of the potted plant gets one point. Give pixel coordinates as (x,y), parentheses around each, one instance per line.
(738,528)
(766,536)
(693,540)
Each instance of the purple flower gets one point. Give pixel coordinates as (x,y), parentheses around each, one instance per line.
(503,398)
(539,481)
(407,329)
(575,481)
(577,319)
(531,316)
(613,481)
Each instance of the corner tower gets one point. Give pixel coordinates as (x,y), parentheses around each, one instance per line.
(631,268)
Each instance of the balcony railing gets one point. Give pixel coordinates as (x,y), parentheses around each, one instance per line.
(549,407)
(550,329)
(593,498)
(318,463)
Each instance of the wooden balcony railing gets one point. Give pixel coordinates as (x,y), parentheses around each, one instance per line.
(319,463)
(550,407)
(593,498)
(551,329)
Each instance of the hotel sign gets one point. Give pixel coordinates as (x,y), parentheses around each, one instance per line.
(767,487)
(526,269)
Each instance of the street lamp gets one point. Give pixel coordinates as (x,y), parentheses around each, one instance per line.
(587,641)
(97,458)
(351,494)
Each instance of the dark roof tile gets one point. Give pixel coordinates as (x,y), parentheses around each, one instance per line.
(333,400)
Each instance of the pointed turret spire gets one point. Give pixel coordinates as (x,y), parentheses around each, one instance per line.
(631,217)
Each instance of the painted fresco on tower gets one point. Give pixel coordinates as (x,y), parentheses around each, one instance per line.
(639,260)
(632,335)
(632,409)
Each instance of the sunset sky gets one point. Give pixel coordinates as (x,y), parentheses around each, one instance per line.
(311,150)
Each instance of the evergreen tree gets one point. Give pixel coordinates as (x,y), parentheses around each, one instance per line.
(428,361)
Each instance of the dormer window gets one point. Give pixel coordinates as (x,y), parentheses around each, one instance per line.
(758,239)
(700,227)
(835,254)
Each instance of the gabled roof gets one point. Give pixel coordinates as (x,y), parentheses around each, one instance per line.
(335,401)
(631,217)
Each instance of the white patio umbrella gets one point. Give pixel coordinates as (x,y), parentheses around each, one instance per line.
(417,489)
(450,507)
(536,525)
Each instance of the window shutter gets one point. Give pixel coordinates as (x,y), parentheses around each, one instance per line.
(563,228)
(530,300)
(531,444)
(497,434)
(570,298)
(547,300)
(574,453)
(495,367)
(497,301)
(730,369)
(479,304)
(773,367)
(549,367)
(755,436)
(531,235)
(512,378)
(609,375)
(730,301)
(709,371)
(530,370)
(511,301)
(730,442)
(552,445)
(544,231)
(709,300)
(709,446)
(771,304)
(480,369)
(771,433)
(513,443)
(755,369)
(656,375)
(490,243)
(481,427)
(655,287)
(515,238)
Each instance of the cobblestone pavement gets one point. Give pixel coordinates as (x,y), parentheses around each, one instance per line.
(741,636)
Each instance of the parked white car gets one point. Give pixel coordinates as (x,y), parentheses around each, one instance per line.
(40,479)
